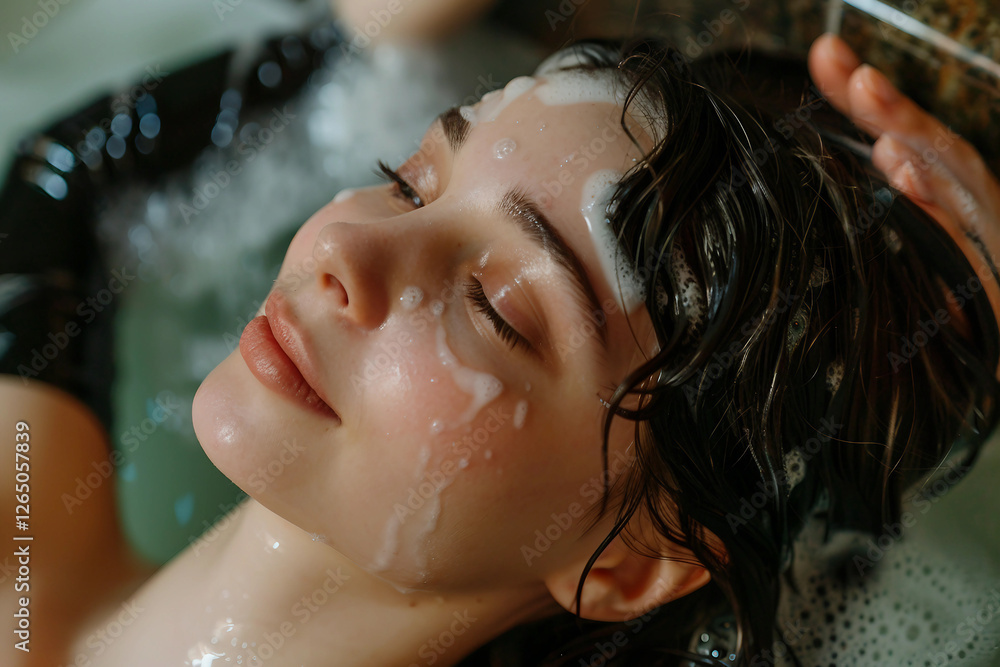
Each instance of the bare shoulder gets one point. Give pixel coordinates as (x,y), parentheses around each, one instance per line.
(66,556)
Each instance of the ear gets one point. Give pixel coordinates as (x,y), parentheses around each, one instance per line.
(624,584)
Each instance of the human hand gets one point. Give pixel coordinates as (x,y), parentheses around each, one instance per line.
(920,155)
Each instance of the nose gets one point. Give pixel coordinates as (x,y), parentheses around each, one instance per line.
(353,273)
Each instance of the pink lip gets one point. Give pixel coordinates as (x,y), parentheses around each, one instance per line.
(272,350)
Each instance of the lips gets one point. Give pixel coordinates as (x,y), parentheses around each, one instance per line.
(273,352)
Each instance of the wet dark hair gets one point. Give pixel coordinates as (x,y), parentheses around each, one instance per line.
(805,367)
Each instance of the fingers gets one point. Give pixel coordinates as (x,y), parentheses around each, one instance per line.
(899,163)
(831,63)
(869,99)
(874,100)
(914,149)
(936,189)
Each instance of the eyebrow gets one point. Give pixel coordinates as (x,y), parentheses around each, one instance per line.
(518,208)
(456,128)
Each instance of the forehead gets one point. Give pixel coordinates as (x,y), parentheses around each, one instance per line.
(559,139)
(567,122)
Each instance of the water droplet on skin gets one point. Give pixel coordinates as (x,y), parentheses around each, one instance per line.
(488,454)
(437,307)
(411,297)
(520,412)
(463,463)
(504,148)
(436,427)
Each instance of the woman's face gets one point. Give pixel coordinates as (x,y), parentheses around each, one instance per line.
(459,456)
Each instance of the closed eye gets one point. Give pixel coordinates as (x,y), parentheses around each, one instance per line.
(506,333)
(403,190)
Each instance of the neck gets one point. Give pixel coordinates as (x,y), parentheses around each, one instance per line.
(302,600)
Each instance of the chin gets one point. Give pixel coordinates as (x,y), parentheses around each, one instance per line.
(217,417)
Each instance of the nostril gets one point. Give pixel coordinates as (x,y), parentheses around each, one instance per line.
(329,284)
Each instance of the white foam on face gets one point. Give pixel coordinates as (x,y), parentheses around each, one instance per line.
(432,510)
(575,87)
(390,534)
(503,148)
(344,195)
(513,90)
(568,86)
(483,387)
(411,297)
(469,114)
(520,413)
(390,539)
(571,57)
(597,193)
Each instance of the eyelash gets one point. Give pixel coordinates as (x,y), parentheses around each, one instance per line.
(403,189)
(508,334)
(474,289)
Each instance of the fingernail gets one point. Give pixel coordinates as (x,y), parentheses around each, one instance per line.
(842,54)
(880,86)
